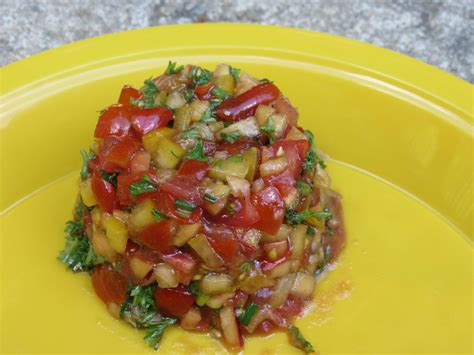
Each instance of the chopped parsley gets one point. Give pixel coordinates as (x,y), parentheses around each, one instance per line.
(246,265)
(250,311)
(158,215)
(208,116)
(269,129)
(200,76)
(303,187)
(191,133)
(235,73)
(201,298)
(294,217)
(197,153)
(219,93)
(110,177)
(145,184)
(210,198)
(230,137)
(149,90)
(184,205)
(172,69)
(86,157)
(188,95)
(312,157)
(155,330)
(299,340)
(235,158)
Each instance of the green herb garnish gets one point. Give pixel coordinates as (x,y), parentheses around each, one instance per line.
(145,184)
(86,157)
(219,93)
(210,198)
(235,73)
(200,76)
(294,217)
(188,95)
(155,330)
(208,116)
(110,177)
(299,340)
(184,205)
(250,311)
(197,153)
(269,128)
(191,133)
(235,158)
(172,69)
(303,187)
(312,157)
(158,215)
(230,137)
(246,265)
(201,298)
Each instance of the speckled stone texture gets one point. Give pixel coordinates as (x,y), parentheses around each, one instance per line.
(437,32)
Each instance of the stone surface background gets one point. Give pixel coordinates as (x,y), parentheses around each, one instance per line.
(437,32)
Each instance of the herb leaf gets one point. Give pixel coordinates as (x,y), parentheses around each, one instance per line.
(208,116)
(145,184)
(154,332)
(219,93)
(250,311)
(303,187)
(86,157)
(185,205)
(191,133)
(299,340)
(245,266)
(230,137)
(201,298)
(200,76)
(197,153)
(172,69)
(294,217)
(312,157)
(235,73)
(110,177)
(158,215)
(269,128)
(210,198)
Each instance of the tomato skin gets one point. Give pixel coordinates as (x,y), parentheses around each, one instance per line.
(184,188)
(204,92)
(127,94)
(237,147)
(245,104)
(145,120)
(114,121)
(116,153)
(165,204)
(108,284)
(283,105)
(245,214)
(174,302)
(157,236)
(123,186)
(226,245)
(104,192)
(295,151)
(271,209)
(194,168)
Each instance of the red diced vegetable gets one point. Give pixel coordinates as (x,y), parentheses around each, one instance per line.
(174,302)
(127,94)
(145,120)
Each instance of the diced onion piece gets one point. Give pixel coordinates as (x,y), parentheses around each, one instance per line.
(279,123)
(216,126)
(303,286)
(321,178)
(258,185)
(166,275)
(215,283)
(141,216)
(282,290)
(122,216)
(263,314)
(87,195)
(252,237)
(216,301)
(182,119)
(223,79)
(201,246)
(251,157)
(204,131)
(244,83)
(139,267)
(290,198)
(223,168)
(295,134)
(140,162)
(282,234)
(246,128)
(175,100)
(197,109)
(266,153)
(298,237)
(113,309)
(229,326)
(273,166)
(240,187)
(101,245)
(191,318)
(164,151)
(255,281)
(276,250)
(280,270)
(262,114)
(117,234)
(185,232)
(219,191)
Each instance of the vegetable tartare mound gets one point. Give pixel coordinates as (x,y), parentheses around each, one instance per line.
(203,203)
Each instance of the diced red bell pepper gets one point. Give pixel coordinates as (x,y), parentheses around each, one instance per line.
(104,192)
(127,94)
(270,208)
(174,302)
(145,120)
(245,104)
(114,121)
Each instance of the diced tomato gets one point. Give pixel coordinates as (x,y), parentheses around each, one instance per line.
(140,162)
(245,104)
(114,121)
(183,187)
(265,327)
(193,168)
(270,208)
(204,92)
(302,146)
(117,152)
(239,300)
(123,186)
(283,105)
(181,261)
(284,182)
(104,192)
(109,285)
(145,120)
(226,245)
(174,302)
(244,214)
(237,147)
(295,151)
(292,307)
(127,94)
(157,236)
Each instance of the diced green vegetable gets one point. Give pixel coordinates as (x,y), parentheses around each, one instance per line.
(201,298)
(110,177)
(172,69)
(145,184)
(219,93)
(294,217)
(230,137)
(303,187)
(86,157)
(185,205)
(197,153)
(158,215)
(235,73)
(210,198)
(246,265)
(250,311)
(299,340)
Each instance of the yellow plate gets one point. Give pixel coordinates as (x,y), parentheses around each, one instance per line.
(400,134)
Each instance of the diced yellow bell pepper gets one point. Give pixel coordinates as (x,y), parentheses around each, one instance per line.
(117,234)
(139,267)
(141,216)
(87,195)
(151,139)
(223,168)
(251,157)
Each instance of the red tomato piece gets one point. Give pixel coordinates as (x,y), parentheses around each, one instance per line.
(145,120)
(283,105)
(204,92)
(270,208)
(117,152)
(165,204)
(104,192)
(302,146)
(108,284)
(181,261)
(245,104)
(226,245)
(183,187)
(292,307)
(157,236)
(127,94)
(140,162)
(237,147)
(209,147)
(284,182)
(174,302)
(245,214)
(194,168)
(295,151)
(114,121)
